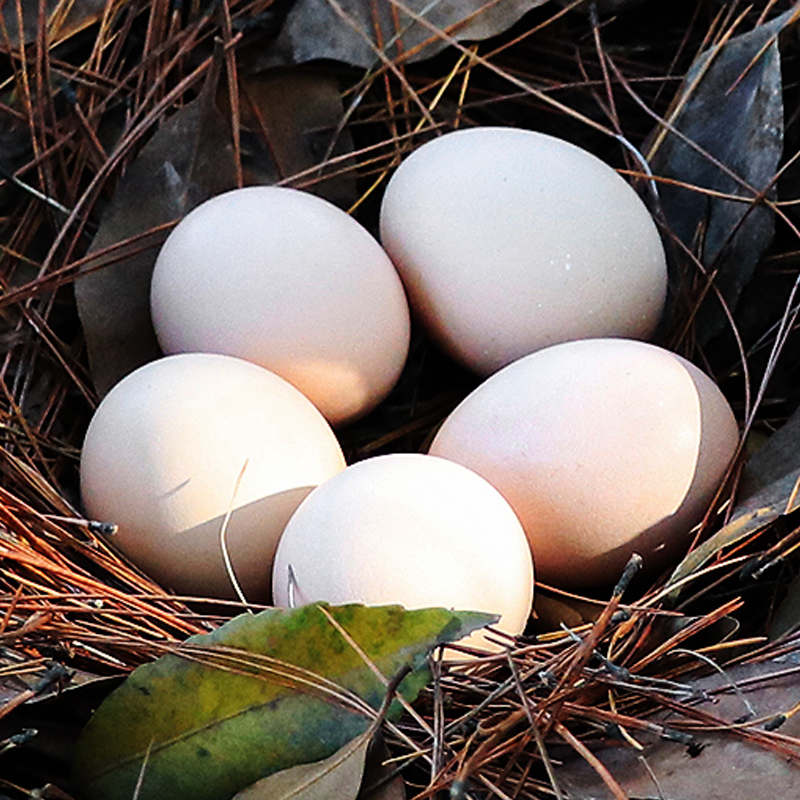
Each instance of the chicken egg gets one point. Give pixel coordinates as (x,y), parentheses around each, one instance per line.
(411,529)
(289,281)
(509,240)
(603,447)
(182,442)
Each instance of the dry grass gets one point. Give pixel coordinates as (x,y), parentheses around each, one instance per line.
(82,98)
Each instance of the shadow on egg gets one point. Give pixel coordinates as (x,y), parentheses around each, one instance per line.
(190,561)
(666,540)
(603,447)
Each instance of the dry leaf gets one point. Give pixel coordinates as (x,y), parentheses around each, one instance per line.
(786,619)
(723,766)
(355,31)
(778,458)
(188,160)
(63,19)
(731,107)
(769,490)
(289,119)
(604,7)
(379,782)
(551,609)
(746,524)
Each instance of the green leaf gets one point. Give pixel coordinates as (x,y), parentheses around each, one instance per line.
(262,693)
(337,776)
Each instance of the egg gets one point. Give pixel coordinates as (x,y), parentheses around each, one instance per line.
(181,442)
(288,281)
(509,240)
(411,529)
(603,447)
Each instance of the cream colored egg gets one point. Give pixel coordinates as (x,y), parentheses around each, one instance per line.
(181,441)
(509,240)
(289,281)
(603,447)
(408,529)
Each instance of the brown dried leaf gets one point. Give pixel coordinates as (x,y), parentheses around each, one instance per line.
(288,119)
(188,160)
(746,522)
(730,107)
(773,473)
(64,19)
(378,783)
(551,610)
(778,458)
(604,7)
(724,766)
(43,729)
(354,31)
(769,490)
(786,620)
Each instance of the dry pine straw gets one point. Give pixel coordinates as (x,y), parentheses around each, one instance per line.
(68,597)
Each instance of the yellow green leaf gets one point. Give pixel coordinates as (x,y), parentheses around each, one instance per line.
(263,693)
(337,776)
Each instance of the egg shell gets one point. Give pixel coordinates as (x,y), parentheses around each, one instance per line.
(509,240)
(289,281)
(179,442)
(603,447)
(410,529)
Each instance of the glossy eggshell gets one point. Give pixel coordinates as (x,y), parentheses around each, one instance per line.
(509,240)
(289,281)
(164,453)
(603,447)
(409,529)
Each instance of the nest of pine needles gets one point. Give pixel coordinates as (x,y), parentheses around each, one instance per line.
(86,88)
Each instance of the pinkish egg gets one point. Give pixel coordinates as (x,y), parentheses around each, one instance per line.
(603,447)
(288,281)
(409,529)
(509,240)
(181,442)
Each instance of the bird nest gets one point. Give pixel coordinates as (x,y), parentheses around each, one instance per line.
(694,102)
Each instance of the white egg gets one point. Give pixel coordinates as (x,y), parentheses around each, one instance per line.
(182,441)
(603,447)
(408,529)
(509,240)
(289,281)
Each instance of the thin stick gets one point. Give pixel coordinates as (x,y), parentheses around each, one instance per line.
(223,539)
